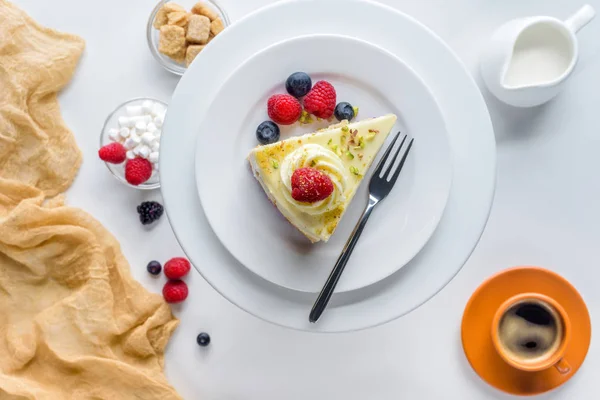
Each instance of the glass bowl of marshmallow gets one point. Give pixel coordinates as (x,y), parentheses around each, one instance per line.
(137,126)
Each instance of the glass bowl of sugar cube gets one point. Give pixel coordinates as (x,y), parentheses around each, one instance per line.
(137,125)
(177,31)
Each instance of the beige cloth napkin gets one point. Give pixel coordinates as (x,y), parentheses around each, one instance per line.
(74,324)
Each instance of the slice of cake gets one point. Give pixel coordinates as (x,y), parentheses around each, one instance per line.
(313,178)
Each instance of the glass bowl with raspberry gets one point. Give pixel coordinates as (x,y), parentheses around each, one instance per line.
(211,9)
(132,132)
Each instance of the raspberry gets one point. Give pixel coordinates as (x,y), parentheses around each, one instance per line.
(175,291)
(321,100)
(284,109)
(177,268)
(310,185)
(138,171)
(113,153)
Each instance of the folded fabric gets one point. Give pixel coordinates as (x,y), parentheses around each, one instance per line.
(74,324)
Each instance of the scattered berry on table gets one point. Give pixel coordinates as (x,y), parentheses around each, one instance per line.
(138,171)
(267,132)
(284,109)
(344,110)
(321,100)
(298,84)
(175,291)
(310,185)
(177,268)
(203,339)
(113,153)
(154,267)
(150,211)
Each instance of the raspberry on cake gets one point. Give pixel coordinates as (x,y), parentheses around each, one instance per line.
(312,179)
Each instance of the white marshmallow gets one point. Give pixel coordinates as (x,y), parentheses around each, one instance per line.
(155,166)
(113,134)
(140,126)
(151,127)
(124,121)
(157,135)
(148,138)
(153,158)
(147,106)
(142,150)
(158,109)
(155,146)
(130,155)
(159,120)
(131,142)
(146,119)
(134,111)
(124,132)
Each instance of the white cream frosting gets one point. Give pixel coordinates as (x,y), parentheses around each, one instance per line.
(323,160)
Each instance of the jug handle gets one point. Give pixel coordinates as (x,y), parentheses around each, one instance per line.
(581,18)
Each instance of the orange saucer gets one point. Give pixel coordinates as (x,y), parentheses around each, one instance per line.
(477,322)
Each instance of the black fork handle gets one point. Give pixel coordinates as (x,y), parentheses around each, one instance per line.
(338,269)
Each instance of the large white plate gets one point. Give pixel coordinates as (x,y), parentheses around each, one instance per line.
(255,232)
(470,136)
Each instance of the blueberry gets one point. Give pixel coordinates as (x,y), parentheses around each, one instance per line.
(154,267)
(267,132)
(203,339)
(344,111)
(298,84)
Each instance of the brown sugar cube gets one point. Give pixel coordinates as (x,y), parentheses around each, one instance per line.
(162,14)
(172,7)
(198,29)
(179,56)
(171,40)
(161,18)
(203,9)
(192,52)
(179,18)
(216,26)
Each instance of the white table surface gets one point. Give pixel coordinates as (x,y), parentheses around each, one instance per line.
(546,212)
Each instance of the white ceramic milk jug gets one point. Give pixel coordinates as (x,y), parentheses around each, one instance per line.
(528,60)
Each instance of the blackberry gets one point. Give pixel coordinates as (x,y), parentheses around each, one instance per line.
(149,211)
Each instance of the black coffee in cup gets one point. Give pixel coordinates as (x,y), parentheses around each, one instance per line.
(530,330)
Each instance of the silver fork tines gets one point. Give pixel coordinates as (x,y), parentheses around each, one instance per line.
(383,179)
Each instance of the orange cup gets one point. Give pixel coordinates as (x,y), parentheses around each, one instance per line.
(554,359)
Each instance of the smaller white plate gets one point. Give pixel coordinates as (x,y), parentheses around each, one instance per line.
(254,231)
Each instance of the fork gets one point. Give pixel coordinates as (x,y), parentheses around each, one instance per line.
(381,184)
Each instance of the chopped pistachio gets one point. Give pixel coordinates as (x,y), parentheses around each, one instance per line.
(354,170)
(329,142)
(275,164)
(334,147)
(345,128)
(371,136)
(305,118)
(355,111)
(349,155)
(360,156)
(361,143)
(313,163)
